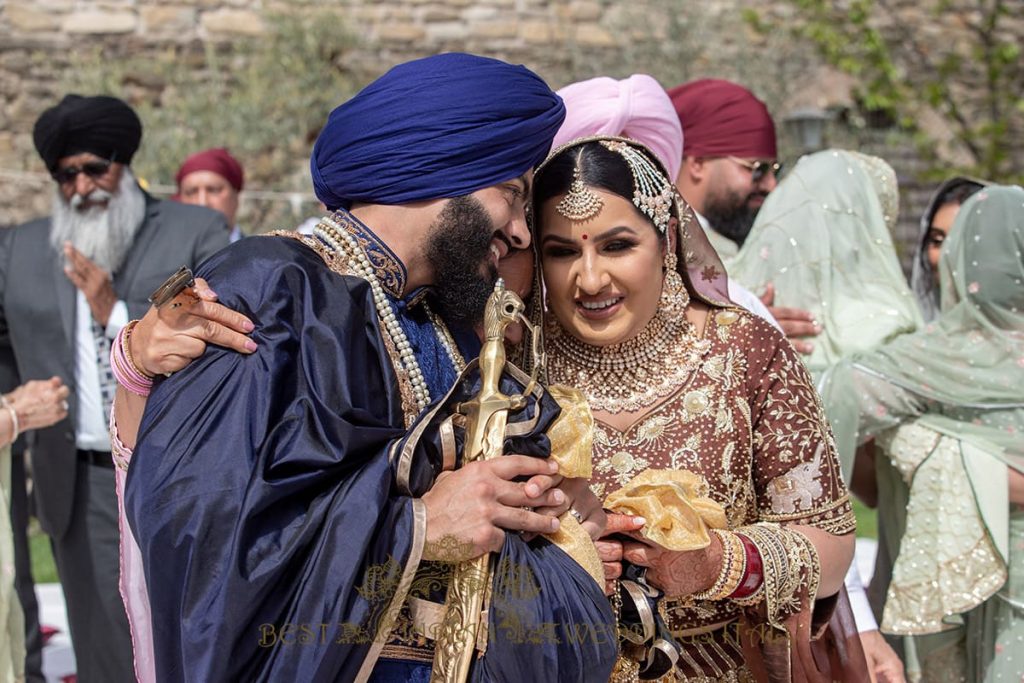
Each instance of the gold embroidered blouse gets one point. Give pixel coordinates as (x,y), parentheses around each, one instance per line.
(750,421)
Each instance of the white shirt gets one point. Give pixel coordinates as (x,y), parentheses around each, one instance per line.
(862,614)
(91,426)
(740,294)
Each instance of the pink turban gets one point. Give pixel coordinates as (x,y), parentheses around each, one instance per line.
(636,107)
(217,160)
(721,118)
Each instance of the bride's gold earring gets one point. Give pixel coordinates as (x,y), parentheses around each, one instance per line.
(674,297)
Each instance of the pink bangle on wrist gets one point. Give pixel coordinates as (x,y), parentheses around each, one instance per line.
(126,372)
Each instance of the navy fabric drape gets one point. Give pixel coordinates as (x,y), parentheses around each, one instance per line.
(260,488)
(272,530)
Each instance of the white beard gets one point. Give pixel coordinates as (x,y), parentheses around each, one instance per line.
(103,234)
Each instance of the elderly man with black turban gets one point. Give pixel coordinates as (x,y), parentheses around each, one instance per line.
(68,283)
(297,508)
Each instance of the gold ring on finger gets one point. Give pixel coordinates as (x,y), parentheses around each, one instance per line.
(181,280)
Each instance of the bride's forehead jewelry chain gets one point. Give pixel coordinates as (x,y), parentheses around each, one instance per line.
(653,194)
(343,242)
(581,202)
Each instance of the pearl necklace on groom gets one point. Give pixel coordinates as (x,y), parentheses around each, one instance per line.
(346,245)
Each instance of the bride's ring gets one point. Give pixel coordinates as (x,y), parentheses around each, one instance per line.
(181,280)
(576,515)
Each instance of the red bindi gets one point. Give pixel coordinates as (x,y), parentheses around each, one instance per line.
(586,236)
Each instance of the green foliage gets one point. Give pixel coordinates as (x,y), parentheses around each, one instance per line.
(264,98)
(970,73)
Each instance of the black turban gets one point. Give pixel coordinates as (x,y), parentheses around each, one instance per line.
(101,125)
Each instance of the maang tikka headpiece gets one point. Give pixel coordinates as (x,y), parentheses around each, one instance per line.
(653,193)
(581,203)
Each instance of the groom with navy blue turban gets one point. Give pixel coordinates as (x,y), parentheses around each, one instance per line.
(285,502)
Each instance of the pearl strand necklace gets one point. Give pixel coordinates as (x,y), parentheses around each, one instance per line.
(345,244)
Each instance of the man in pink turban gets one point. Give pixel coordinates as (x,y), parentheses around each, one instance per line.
(212,178)
(635,107)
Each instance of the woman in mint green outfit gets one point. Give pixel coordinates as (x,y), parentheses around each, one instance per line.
(823,240)
(946,404)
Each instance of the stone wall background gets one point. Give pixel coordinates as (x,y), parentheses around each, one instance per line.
(161,54)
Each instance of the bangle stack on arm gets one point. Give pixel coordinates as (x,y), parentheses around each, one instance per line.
(789,564)
(128,374)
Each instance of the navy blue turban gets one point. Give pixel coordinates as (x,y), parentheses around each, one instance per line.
(443,126)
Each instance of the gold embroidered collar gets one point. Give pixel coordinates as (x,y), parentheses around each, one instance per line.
(390,271)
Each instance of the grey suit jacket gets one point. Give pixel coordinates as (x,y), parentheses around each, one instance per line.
(37,322)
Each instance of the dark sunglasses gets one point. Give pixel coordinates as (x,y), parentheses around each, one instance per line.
(759,169)
(93,169)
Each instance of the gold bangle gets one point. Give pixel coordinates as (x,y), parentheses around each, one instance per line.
(126,346)
(734,563)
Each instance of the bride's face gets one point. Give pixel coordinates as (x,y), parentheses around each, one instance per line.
(603,275)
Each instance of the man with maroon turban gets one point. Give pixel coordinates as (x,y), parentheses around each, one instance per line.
(729,167)
(730,159)
(212,178)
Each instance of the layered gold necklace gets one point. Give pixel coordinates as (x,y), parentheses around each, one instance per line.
(631,375)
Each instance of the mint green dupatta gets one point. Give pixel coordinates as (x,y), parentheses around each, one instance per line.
(955,390)
(823,239)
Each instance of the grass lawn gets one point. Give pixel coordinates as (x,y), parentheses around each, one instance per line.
(867,520)
(43,568)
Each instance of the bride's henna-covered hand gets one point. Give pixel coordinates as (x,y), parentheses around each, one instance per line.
(609,548)
(678,573)
(172,336)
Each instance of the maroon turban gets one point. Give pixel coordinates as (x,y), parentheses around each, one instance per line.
(217,160)
(721,118)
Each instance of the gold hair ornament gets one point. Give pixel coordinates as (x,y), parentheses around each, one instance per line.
(653,194)
(581,203)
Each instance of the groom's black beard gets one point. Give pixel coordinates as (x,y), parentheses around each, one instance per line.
(730,215)
(459,250)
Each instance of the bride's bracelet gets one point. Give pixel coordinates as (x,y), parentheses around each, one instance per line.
(734,567)
(127,373)
(753,577)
